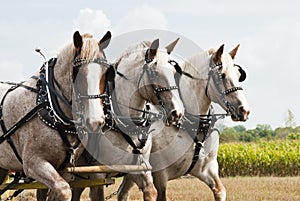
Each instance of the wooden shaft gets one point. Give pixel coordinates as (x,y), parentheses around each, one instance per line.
(108,169)
(73,184)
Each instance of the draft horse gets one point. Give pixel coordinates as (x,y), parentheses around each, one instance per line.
(191,147)
(38,135)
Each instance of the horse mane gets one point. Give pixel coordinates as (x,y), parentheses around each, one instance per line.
(198,64)
(138,49)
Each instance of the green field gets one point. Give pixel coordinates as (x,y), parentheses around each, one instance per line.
(265,158)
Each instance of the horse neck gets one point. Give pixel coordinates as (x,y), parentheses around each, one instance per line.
(127,94)
(63,76)
(195,100)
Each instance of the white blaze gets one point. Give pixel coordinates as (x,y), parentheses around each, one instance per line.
(95,110)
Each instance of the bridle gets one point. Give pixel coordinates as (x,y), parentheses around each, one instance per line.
(195,124)
(128,126)
(152,75)
(77,64)
(216,75)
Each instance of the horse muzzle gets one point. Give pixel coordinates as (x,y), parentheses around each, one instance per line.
(173,118)
(94,125)
(241,114)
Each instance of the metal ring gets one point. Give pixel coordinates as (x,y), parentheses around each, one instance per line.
(51,113)
(43,93)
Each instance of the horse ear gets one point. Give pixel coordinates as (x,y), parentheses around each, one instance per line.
(153,49)
(171,46)
(218,54)
(77,39)
(104,42)
(233,52)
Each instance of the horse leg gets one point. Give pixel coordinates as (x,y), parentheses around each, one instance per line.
(44,172)
(41,194)
(144,182)
(211,177)
(76,193)
(126,185)
(160,183)
(97,193)
(3,174)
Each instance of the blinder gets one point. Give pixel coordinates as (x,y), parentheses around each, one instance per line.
(242,72)
(110,74)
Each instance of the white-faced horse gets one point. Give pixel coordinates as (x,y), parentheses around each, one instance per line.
(145,75)
(38,135)
(210,76)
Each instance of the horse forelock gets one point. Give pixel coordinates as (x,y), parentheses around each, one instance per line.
(227,61)
(162,59)
(89,50)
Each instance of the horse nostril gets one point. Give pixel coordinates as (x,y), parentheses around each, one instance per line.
(93,125)
(176,115)
(102,120)
(244,111)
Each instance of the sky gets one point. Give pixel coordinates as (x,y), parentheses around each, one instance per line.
(268,32)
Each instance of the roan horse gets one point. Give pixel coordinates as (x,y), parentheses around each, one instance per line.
(212,77)
(145,75)
(38,136)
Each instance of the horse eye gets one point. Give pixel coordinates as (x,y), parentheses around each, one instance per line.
(223,75)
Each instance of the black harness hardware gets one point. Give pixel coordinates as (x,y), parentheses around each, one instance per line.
(128,126)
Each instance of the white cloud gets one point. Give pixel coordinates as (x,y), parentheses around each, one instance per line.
(11,71)
(144,17)
(91,21)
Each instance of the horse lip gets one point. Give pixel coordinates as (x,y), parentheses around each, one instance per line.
(240,118)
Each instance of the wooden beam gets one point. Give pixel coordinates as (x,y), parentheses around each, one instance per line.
(108,169)
(73,184)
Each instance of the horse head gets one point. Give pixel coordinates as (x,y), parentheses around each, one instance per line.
(224,83)
(158,84)
(89,67)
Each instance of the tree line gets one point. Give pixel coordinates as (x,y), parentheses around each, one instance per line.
(261,132)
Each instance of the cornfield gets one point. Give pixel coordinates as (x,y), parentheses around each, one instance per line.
(274,158)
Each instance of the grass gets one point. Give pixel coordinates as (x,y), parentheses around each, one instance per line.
(238,189)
